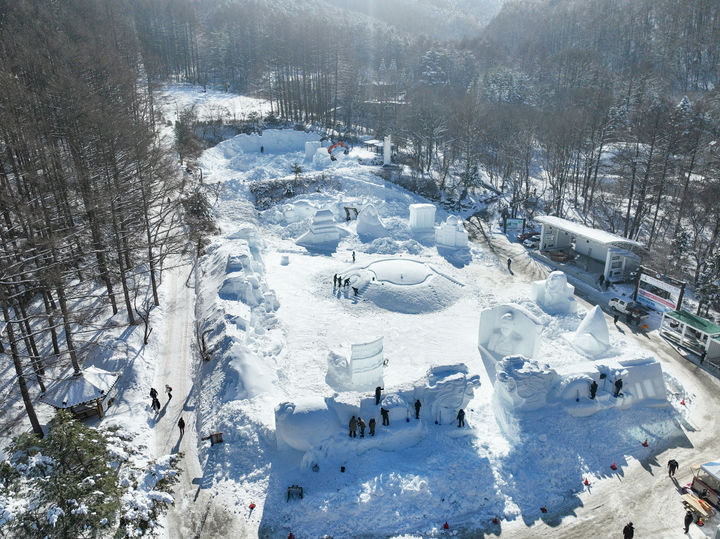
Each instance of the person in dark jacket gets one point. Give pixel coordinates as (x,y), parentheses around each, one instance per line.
(417,409)
(618,386)
(628,531)
(371,425)
(181,426)
(385,417)
(156,405)
(334,280)
(353,427)
(593,389)
(509,263)
(168,390)
(153,393)
(688,520)
(378,391)
(461,418)
(362,426)
(672,467)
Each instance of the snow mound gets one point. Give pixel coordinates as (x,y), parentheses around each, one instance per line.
(404,285)
(369,225)
(554,294)
(592,337)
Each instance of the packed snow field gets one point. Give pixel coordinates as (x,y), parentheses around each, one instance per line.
(279,331)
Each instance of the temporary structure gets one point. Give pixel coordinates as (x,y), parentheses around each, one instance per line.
(83,393)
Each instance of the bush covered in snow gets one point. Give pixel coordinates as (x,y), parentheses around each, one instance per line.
(80,481)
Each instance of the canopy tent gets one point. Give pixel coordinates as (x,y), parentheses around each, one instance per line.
(83,392)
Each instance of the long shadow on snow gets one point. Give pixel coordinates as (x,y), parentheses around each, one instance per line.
(386,489)
(554,453)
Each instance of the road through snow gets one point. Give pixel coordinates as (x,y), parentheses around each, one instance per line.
(195,512)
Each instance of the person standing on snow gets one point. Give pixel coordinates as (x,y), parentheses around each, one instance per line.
(461,418)
(385,417)
(618,386)
(628,531)
(181,426)
(353,257)
(509,263)
(371,424)
(378,391)
(153,393)
(688,520)
(417,409)
(672,467)
(362,426)
(353,427)
(593,389)
(168,390)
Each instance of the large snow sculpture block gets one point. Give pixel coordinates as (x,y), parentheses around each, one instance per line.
(506,330)
(299,210)
(592,337)
(522,384)
(311,146)
(451,234)
(369,224)
(304,425)
(323,230)
(554,294)
(449,388)
(366,365)
(422,217)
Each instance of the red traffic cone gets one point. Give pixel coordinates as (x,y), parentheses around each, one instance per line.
(495,520)
(252,505)
(543,509)
(683,401)
(613,466)
(645,444)
(586,482)
(446,525)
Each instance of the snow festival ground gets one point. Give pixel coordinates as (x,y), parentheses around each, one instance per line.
(274,323)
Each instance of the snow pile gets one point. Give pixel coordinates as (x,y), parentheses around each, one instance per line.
(369,225)
(592,337)
(554,294)
(451,234)
(311,147)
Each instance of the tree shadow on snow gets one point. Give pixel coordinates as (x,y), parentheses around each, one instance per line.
(389,488)
(554,453)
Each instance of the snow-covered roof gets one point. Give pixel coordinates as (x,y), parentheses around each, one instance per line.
(88,385)
(713,468)
(594,234)
(694,321)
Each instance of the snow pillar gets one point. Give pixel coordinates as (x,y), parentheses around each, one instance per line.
(387,151)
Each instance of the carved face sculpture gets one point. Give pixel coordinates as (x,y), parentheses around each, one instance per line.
(556,286)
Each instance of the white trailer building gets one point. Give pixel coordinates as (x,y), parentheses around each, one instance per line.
(615,257)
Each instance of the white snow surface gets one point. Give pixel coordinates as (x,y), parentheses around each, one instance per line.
(413,475)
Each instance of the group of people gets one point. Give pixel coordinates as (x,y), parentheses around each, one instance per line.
(338,281)
(155,404)
(359,422)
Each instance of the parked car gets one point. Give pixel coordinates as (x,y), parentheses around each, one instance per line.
(527,235)
(532,242)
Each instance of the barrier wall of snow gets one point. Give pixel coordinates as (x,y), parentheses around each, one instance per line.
(451,234)
(323,230)
(369,225)
(422,217)
(366,365)
(554,294)
(592,337)
(507,330)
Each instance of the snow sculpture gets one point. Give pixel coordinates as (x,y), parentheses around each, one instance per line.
(451,234)
(506,330)
(369,224)
(592,337)
(305,424)
(554,294)
(448,389)
(387,151)
(522,384)
(311,146)
(284,260)
(366,365)
(322,230)
(422,217)
(301,209)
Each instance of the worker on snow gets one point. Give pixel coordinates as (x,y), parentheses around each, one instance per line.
(181,426)
(628,531)
(353,427)
(593,389)
(672,467)
(461,418)
(371,424)
(618,386)
(385,417)
(362,426)
(378,391)
(417,409)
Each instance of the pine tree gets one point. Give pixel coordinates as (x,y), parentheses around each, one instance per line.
(679,250)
